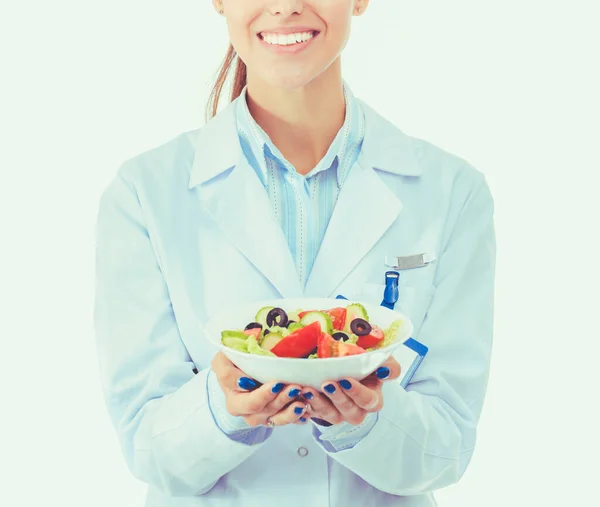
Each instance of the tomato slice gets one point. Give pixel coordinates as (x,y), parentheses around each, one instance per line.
(328,347)
(255,331)
(349,349)
(338,317)
(302,314)
(371,340)
(299,343)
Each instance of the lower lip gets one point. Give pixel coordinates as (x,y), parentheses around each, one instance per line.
(292,48)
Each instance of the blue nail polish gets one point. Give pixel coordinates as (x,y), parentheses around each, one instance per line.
(330,388)
(345,384)
(277,388)
(293,393)
(303,419)
(247,383)
(308,396)
(383,372)
(298,410)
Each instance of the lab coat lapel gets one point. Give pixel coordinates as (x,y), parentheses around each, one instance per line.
(365,209)
(240,207)
(233,195)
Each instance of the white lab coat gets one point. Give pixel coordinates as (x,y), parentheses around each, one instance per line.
(186,229)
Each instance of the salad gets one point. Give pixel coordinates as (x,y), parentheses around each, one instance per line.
(311,334)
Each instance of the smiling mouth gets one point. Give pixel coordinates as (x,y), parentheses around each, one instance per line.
(278,39)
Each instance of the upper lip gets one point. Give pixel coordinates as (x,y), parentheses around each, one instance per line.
(289,29)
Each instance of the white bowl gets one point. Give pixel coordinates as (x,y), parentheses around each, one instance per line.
(305,372)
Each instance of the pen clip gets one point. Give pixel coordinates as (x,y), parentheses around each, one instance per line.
(390,294)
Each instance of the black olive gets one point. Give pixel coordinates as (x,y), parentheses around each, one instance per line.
(253,325)
(290,322)
(267,331)
(277,317)
(340,337)
(314,351)
(360,327)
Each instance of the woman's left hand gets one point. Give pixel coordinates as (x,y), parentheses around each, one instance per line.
(348,399)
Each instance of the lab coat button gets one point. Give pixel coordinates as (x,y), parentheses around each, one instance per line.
(302,451)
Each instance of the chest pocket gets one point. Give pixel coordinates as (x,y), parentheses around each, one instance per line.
(413,300)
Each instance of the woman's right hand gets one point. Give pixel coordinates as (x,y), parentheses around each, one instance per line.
(257,403)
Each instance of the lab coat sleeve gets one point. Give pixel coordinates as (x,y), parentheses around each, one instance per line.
(344,435)
(234,427)
(425,435)
(159,407)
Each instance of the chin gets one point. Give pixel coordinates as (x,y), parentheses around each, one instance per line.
(290,80)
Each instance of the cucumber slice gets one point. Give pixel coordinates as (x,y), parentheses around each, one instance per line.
(255,348)
(270,341)
(321,318)
(261,316)
(355,311)
(294,316)
(296,325)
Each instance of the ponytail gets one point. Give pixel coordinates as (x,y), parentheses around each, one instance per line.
(239,81)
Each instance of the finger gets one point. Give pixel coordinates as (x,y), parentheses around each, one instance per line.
(291,414)
(321,406)
(390,370)
(349,410)
(240,403)
(303,418)
(283,399)
(366,395)
(230,377)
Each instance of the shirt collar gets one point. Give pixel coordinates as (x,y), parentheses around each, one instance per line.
(258,147)
(385,147)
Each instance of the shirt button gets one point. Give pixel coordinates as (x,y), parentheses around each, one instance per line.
(302,451)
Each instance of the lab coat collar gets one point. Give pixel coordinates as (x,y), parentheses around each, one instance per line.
(385,147)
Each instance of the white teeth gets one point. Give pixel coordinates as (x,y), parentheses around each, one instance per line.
(286,40)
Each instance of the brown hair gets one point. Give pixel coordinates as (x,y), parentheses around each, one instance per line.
(239,81)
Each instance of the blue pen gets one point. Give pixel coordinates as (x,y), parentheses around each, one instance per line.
(390,294)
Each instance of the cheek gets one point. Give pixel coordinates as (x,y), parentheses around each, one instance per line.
(241,15)
(338,16)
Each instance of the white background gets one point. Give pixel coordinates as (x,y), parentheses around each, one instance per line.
(511,86)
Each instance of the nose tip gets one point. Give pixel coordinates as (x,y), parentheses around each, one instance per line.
(287,7)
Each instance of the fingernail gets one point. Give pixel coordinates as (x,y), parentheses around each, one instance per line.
(247,383)
(277,388)
(383,372)
(298,410)
(345,384)
(303,419)
(308,396)
(330,388)
(293,393)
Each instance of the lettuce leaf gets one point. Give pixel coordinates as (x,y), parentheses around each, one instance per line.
(390,334)
(254,348)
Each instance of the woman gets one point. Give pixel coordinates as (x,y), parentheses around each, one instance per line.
(295,189)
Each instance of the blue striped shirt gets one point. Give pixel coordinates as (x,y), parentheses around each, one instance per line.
(303,205)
